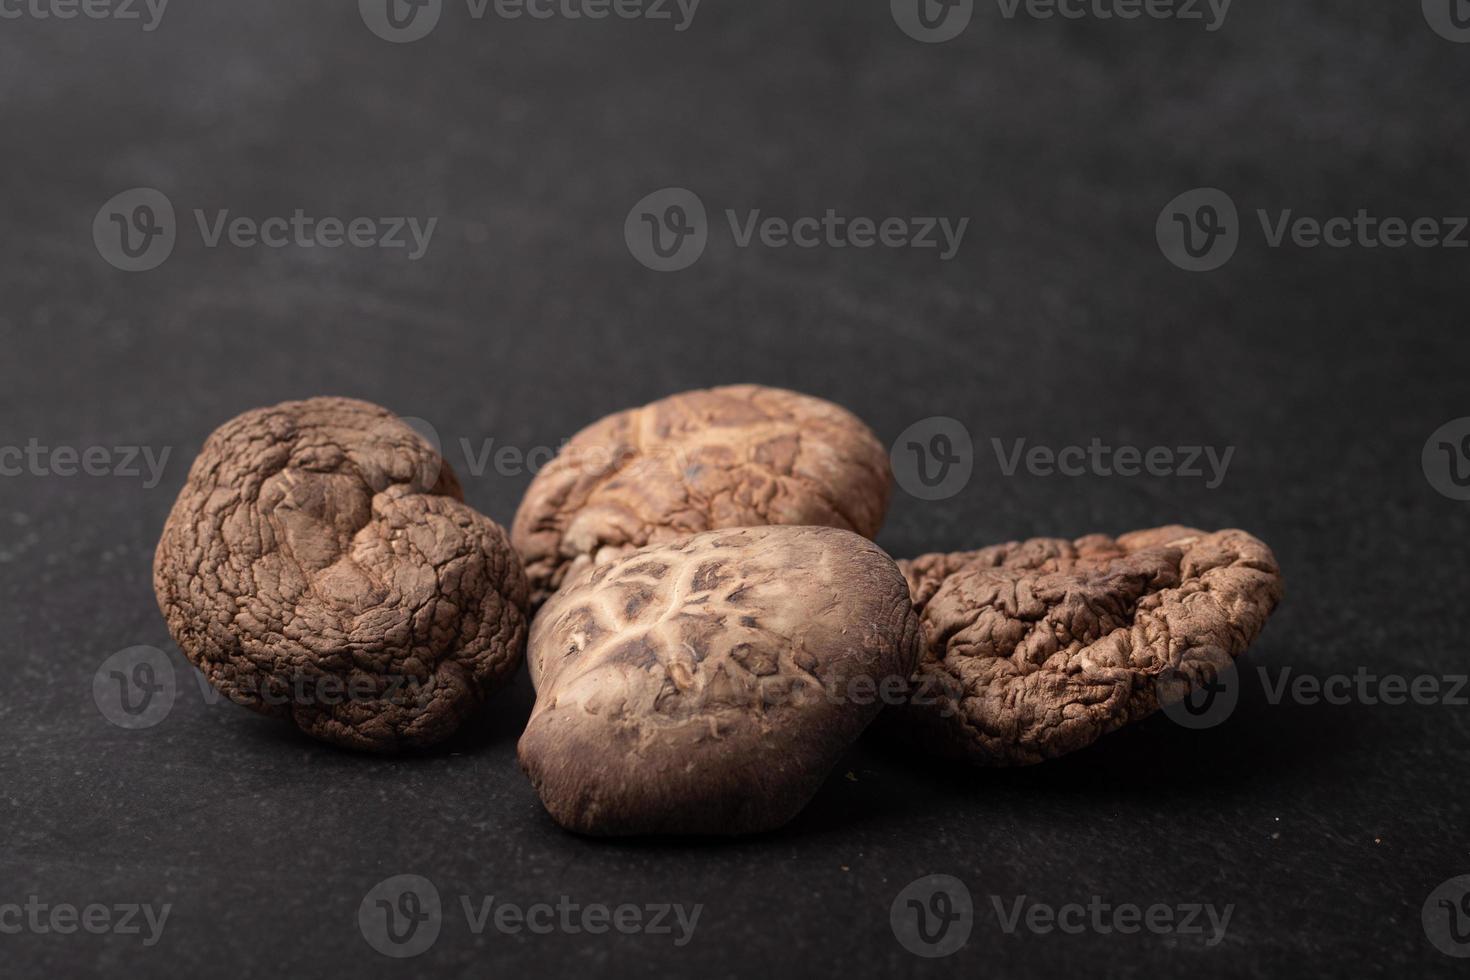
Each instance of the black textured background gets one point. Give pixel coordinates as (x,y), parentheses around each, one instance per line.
(1326,826)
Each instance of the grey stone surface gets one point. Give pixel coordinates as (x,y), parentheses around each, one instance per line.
(1060,320)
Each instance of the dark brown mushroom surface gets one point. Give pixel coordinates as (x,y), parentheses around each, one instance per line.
(737,456)
(321,566)
(1037,648)
(709,686)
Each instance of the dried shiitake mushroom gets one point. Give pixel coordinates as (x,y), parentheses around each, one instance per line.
(739,456)
(1037,648)
(708,686)
(321,566)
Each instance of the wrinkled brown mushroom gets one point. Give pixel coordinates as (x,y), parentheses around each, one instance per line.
(708,686)
(1037,648)
(738,456)
(320,566)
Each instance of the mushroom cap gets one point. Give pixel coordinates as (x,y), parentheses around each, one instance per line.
(709,686)
(1037,648)
(737,456)
(321,566)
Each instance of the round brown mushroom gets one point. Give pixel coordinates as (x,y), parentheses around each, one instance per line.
(1037,648)
(321,566)
(709,686)
(738,456)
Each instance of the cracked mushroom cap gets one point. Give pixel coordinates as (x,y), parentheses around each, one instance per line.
(738,456)
(321,566)
(1037,648)
(709,686)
